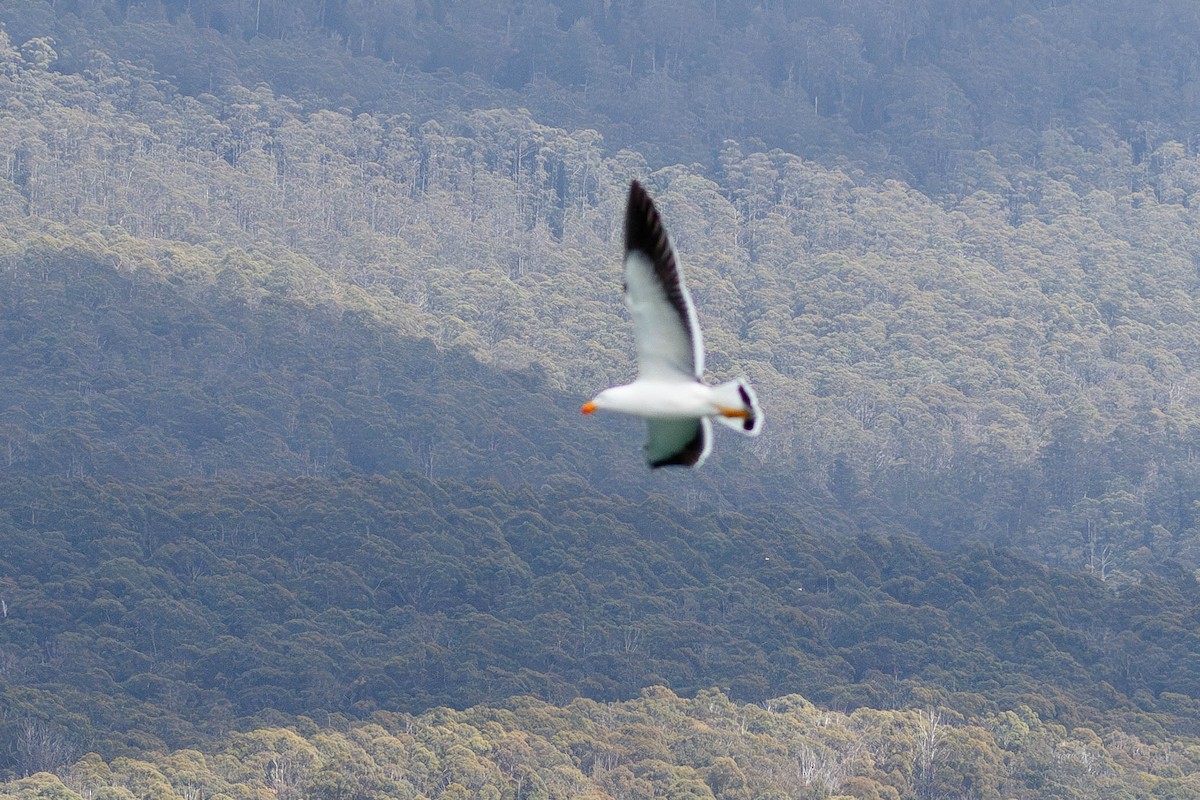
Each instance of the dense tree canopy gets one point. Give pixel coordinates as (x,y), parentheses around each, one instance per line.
(298,300)
(657,745)
(1014,364)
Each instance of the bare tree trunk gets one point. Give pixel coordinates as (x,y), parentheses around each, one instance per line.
(42,747)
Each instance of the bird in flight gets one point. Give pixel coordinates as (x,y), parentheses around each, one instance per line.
(669,392)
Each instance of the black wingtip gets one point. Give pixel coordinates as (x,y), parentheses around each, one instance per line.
(645,233)
(644,230)
(673,462)
(750,422)
(691,455)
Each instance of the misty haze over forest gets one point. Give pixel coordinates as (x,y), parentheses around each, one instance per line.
(299,300)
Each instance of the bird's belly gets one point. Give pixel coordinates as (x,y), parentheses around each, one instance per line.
(666,400)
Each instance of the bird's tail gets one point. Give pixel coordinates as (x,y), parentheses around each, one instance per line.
(739,407)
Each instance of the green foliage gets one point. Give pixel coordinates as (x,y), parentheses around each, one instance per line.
(1011,362)
(933,93)
(199,538)
(296,307)
(659,745)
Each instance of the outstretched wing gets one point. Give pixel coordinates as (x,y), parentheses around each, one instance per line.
(678,442)
(664,321)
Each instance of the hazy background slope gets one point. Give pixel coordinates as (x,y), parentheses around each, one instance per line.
(1012,361)
(299,302)
(225,503)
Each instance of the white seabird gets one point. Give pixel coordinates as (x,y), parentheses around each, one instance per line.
(669,392)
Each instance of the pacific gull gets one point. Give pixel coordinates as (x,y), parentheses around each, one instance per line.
(669,392)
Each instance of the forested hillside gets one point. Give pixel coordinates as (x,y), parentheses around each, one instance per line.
(1013,361)
(229,499)
(298,302)
(658,745)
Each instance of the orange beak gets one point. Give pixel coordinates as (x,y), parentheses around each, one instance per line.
(588,408)
(733,413)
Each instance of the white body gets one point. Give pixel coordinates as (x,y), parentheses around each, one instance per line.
(655,398)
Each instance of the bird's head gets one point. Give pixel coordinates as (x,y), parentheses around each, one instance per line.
(597,403)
